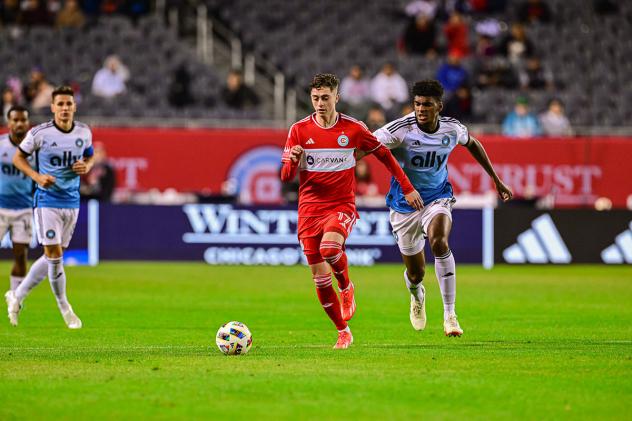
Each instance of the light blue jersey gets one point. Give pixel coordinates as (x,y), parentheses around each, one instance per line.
(56,151)
(423,157)
(16,189)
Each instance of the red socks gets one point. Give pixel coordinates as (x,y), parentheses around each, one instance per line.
(329,300)
(334,255)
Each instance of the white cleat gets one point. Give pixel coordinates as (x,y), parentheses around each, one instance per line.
(451,326)
(418,310)
(13,307)
(71,319)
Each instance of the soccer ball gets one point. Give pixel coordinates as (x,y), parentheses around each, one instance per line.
(234,338)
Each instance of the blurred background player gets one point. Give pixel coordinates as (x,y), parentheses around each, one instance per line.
(423,140)
(323,147)
(16,194)
(64,151)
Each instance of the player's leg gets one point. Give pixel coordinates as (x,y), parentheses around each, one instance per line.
(408,232)
(336,230)
(18,271)
(321,273)
(54,256)
(439,229)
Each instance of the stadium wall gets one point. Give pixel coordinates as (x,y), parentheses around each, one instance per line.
(576,171)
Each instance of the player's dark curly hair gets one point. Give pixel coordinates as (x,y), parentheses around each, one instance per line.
(17,109)
(63,90)
(427,87)
(325,80)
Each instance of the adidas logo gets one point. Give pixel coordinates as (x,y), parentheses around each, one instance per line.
(4,155)
(621,250)
(542,243)
(310,141)
(54,144)
(416,143)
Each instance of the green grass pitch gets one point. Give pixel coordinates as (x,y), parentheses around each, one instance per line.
(540,343)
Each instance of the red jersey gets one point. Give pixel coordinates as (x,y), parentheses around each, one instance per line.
(327,178)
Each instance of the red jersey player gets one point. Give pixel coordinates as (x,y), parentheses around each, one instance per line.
(323,146)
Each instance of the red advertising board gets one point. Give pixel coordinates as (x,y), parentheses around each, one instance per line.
(576,171)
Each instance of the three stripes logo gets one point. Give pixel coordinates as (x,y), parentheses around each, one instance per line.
(542,243)
(310,141)
(621,250)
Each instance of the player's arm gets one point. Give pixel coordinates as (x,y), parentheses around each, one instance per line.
(85,164)
(476,149)
(291,156)
(21,163)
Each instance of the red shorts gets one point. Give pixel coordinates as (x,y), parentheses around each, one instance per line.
(312,228)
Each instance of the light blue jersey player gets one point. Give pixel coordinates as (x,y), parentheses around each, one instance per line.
(422,142)
(64,152)
(16,194)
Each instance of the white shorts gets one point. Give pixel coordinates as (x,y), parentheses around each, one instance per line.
(409,229)
(19,222)
(55,226)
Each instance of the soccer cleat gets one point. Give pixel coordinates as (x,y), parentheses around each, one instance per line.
(418,310)
(13,307)
(347,302)
(451,326)
(345,338)
(71,319)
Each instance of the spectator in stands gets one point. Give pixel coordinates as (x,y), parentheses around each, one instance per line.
(180,88)
(516,46)
(375,118)
(99,183)
(70,16)
(355,92)
(456,33)
(520,122)
(554,122)
(109,81)
(236,94)
(534,11)
(366,190)
(459,105)
(419,37)
(421,7)
(452,74)
(34,13)
(8,101)
(388,88)
(534,75)
(9,12)
(38,91)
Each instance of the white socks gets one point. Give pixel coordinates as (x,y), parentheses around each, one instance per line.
(15,282)
(37,272)
(413,288)
(57,278)
(446,275)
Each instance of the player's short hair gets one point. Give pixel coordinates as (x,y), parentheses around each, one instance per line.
(63,90)
(325,80)
(427,87)
(17,109)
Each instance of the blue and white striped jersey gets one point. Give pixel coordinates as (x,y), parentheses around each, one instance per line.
(423,157)
(16,189)
(56,151)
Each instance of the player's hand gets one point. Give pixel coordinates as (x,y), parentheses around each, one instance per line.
(504,191)
(45,180)
(295,153)
(80,167)
(414,199)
